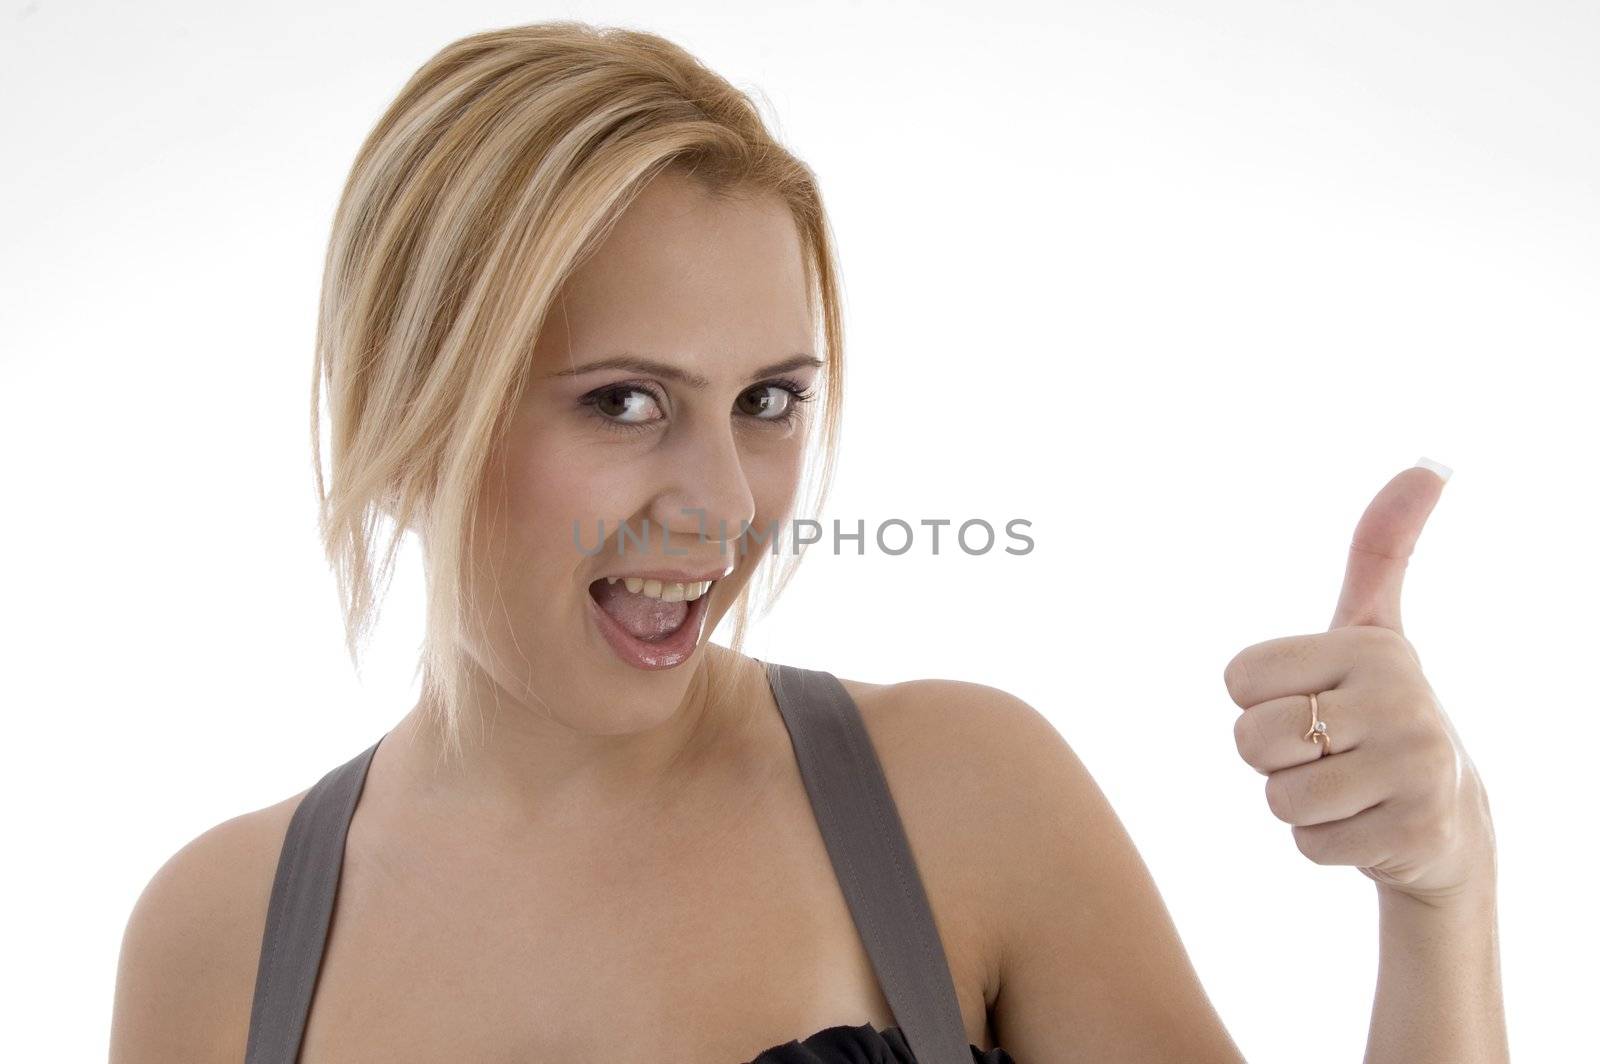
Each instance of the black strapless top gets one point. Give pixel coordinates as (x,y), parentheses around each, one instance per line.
(866,844)
(861,1045)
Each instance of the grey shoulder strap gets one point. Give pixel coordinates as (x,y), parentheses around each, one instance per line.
(872,859)
(299,912)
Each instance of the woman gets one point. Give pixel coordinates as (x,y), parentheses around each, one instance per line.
(570,337)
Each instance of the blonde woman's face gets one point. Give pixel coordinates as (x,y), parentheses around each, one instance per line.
(699,437)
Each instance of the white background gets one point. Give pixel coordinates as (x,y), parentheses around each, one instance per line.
(1182,284)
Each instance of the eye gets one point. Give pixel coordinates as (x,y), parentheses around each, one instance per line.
(628,407)
(625,406)
(774,401)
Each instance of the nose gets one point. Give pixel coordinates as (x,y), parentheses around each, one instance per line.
(707,498)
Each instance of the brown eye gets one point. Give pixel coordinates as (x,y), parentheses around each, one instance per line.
(630,406)
(769,402)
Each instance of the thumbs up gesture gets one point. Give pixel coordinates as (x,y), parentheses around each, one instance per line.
(1377,778)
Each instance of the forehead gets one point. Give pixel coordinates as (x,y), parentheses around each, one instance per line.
(687,278)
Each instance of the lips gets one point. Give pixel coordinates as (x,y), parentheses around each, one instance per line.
(664,651)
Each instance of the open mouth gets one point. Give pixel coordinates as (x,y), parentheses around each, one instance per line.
(651,624)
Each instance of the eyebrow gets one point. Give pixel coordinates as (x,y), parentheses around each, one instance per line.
(668,371)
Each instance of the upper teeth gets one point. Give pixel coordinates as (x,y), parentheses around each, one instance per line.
(666,591)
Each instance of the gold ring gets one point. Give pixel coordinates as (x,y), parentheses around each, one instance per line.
(1319,729)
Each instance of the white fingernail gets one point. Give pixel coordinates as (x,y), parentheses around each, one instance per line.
(1440,468)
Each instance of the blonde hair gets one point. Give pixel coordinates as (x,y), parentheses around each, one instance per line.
(501,165)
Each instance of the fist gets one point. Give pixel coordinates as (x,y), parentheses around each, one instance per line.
(1382,782)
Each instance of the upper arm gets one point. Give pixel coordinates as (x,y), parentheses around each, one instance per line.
(1091,967)
(186,970)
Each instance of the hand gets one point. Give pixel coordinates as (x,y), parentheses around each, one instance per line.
(1395,793)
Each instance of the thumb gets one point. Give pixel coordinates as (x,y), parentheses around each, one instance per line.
(1382,544)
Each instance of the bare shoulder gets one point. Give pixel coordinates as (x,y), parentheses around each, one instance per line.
(958,738)
(975,754)
(963,738)
(947,748)
(1088,964)
(936,711)
(187,967)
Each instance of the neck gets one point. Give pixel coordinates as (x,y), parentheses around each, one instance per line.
(527,765)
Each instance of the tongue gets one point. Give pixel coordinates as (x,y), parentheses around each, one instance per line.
(641,616)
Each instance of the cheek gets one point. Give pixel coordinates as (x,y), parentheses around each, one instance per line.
(774,478)
(556,494)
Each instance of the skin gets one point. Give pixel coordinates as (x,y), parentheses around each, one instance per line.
(559,894)
(630,869)
(580,738)
(1393,793)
